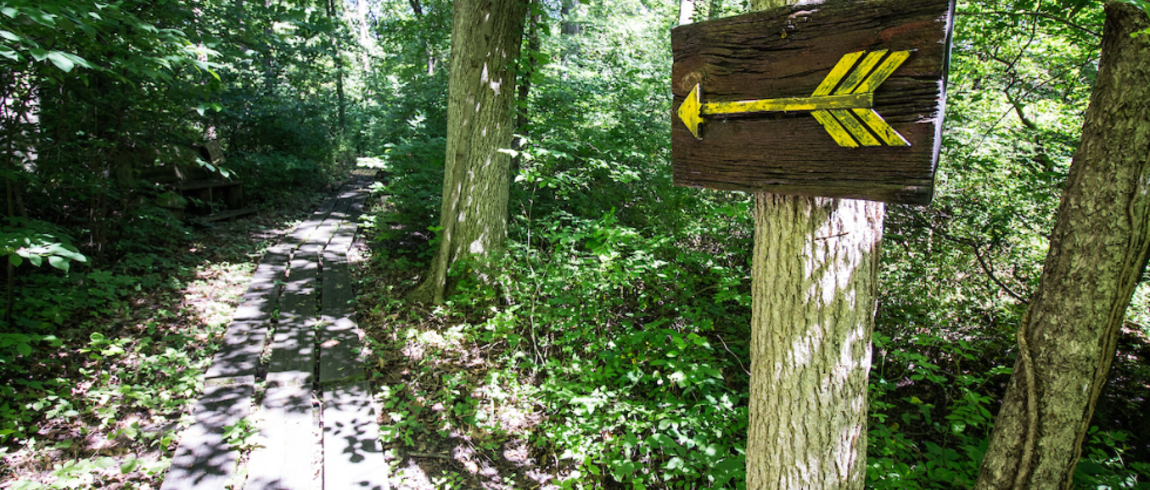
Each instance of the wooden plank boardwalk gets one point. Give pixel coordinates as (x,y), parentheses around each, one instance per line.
(317,418)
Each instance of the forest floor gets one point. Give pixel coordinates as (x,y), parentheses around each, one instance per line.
(107,407)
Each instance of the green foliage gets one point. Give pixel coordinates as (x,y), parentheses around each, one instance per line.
(241,436)
(623,296)
(414,187)
(943,406)
(273,175)
(407,80)
(34,241)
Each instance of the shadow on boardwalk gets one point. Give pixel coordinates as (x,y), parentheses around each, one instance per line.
(316,420)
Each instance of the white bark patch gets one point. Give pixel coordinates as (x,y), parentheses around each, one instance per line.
(476,246)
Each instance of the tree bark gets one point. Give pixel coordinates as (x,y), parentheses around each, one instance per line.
(686,11)
(485,38)
(814,286)
(1098,250)
(814,278)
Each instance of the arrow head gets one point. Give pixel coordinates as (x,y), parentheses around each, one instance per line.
(691,111)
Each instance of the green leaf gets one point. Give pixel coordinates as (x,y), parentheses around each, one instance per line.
(66,252)
(41,17)
(23,348)
(15,260)
(9,35)
(38,54)
(59,262)
(67,61)
(130,466)
(9,53)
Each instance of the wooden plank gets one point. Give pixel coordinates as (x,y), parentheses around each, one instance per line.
(257,307)
(340,336)
(204,460)
(788,53)
(304,230)
(262,295)
(270,272)
(289,438)
(240,353)
(353,457)
(293,346)
(357,204)
(331,224)
(339,351)
(337,290)
(342,239)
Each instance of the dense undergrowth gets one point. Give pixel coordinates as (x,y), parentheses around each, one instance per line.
(613,358)
(611,349)
(106,360)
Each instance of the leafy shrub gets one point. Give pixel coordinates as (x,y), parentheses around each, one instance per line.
(268,176)
(637,372)
(415,188)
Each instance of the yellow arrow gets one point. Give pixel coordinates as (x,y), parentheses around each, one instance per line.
(845,112)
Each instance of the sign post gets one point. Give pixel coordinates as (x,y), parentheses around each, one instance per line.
(840,99)
(804,105)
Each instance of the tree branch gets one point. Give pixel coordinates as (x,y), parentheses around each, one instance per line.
(983,264)
(1037,14)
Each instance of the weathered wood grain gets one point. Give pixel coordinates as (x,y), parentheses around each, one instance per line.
(289,438)
(787,52)
(204,460)
(352,454)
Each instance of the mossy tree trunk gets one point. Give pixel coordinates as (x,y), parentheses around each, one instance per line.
(485,41)
(1098,252)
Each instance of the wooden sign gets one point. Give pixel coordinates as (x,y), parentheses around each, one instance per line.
(838,99)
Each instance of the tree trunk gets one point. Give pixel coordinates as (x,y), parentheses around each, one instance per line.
(569,28)
(814,278)
(814,286)
(686,11)
(485,38)
(1098,250)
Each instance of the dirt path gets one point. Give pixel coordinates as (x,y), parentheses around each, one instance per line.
(290,368)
